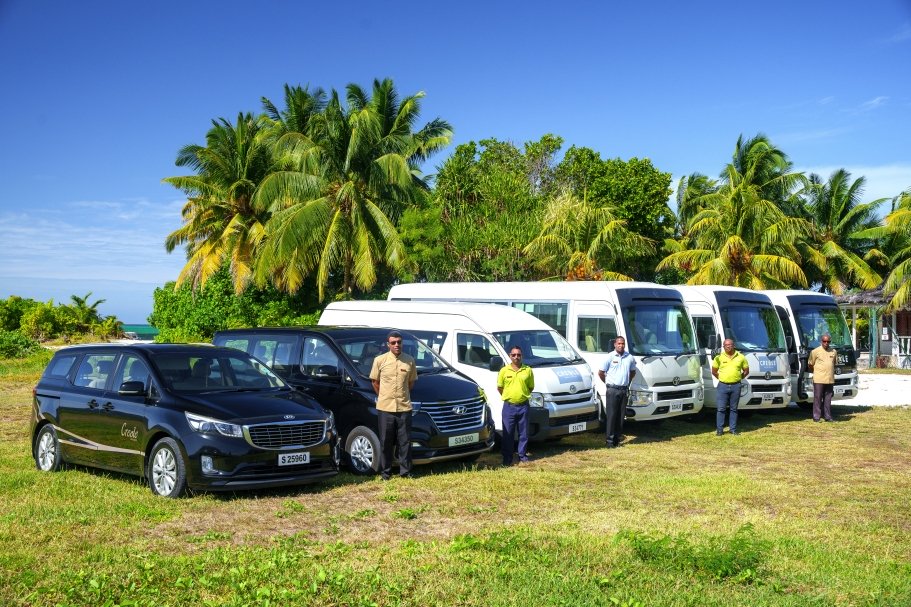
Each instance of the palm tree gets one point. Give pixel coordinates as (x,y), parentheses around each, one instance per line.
(580,241)
(895,234)
(222,224)
(84,313)
(334,206)
(740,234)
(839,219)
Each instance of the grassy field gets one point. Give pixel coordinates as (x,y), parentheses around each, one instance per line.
(788,513)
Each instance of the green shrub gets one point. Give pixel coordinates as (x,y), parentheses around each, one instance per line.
(14,344)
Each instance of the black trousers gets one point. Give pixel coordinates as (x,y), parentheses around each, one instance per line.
(614,414)
(395,429)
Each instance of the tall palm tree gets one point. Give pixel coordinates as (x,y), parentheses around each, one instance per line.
(895,239)
(839,219)
(741,236)
(334,210)
(222,223)
(85,313)
(582,241)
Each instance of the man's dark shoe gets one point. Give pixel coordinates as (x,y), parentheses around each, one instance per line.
(719,432)
(735,432)
(817,420)
(385,477)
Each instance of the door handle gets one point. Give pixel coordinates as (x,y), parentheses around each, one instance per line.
(108,406)
(93,404)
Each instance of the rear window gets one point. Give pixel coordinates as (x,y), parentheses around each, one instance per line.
(60,366)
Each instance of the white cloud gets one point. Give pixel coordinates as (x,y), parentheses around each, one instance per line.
(902,35)
(873,103)
(886,181)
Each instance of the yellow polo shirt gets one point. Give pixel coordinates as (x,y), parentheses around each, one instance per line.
(823,362)
(730,367)
(517,385)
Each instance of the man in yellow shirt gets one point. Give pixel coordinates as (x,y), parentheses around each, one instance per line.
(393,375)
(515,383)
(821,364)
(729,368)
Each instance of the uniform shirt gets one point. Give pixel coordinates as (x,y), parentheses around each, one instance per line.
(823,362)
(617,368)
(394,374)
(729,368)
(517,385)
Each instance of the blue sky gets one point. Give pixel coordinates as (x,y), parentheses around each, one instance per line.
(99,96)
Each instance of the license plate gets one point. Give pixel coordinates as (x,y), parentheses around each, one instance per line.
(293,459)
(767,398)
(840,391)
(464,439)
(677,406)
(580,427)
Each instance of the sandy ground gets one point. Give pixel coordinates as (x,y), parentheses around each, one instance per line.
(881,390)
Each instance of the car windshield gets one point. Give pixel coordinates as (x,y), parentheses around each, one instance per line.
(658,330)
(183,372)
(540,348)
(363,348)
(753,328)
(814,322)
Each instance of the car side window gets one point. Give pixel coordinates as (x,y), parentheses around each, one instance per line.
(319,359)
(474,350)
(60,367)
(95,370)
(133,368)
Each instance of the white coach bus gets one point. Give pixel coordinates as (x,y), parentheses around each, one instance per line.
(590,314)
(806,316)
(751,321)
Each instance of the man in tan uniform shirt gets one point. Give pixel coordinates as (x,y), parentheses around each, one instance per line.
(822,364)
(393,375)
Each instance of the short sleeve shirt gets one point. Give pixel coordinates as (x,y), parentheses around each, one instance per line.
(730,368)
(394,374)
(617,368)
(517,385)
(823,362)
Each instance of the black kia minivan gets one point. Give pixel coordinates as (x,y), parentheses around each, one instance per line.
(451,418)
(181,416)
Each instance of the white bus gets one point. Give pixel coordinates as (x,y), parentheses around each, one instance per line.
(749,318)
(590,314)
(476,338)
(806,316)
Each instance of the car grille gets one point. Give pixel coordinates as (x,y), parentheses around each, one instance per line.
(680,382)
(845,381)
(674,395)
(455,415)
(582,397)
(284,435)
(757,387)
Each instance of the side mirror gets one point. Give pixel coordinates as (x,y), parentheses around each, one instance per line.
(132,388)
(790,341)
(327,372)
(713,342)
(792,359)
(495,364)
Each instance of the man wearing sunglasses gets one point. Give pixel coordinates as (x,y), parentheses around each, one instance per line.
(515,383)
(821,364)
(393,376)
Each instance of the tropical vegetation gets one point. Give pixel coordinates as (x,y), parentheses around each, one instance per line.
(25,322)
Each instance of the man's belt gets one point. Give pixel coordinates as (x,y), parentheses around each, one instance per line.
(522,404)
(730,383)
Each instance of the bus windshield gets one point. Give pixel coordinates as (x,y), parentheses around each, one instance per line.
(753,328)
(658,330)
(814,322)
(540,348)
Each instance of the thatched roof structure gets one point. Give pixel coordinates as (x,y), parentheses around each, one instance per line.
(862,299)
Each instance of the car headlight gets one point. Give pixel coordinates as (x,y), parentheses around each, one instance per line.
(330,426)
(700,393)
(787,388)
(640,398)
(208,425)
(536,399)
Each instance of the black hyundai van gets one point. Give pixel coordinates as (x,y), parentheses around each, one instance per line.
(450,420)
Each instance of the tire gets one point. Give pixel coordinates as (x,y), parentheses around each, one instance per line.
(47,450)
(362,451)
(167,472)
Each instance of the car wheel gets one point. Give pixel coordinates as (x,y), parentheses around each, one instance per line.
(47,450)
(167,471)
(363,451)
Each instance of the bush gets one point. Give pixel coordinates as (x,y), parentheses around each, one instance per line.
(14,344)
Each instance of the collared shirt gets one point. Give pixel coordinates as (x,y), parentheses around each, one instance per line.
(394,374)
(823,362)
(730,367)
(517,385)
(617,368)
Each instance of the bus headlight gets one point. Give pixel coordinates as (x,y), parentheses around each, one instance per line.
(640,398)
(536,399)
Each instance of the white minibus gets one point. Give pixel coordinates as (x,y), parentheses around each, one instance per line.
(476,338)
(749,318)
(806,316)
(590,314)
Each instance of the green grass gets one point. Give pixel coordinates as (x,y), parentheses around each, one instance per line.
(788,513)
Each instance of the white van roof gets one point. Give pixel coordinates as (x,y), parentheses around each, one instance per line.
(489,318)
(532,291)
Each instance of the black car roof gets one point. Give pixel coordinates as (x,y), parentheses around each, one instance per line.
(149,348)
